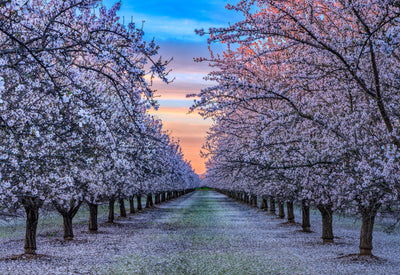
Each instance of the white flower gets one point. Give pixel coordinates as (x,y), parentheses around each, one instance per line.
(2,87)
(65,98)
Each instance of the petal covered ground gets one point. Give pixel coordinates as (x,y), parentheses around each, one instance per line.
(204,232)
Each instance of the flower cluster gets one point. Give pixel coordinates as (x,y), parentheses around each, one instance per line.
(306,104)
(73,96)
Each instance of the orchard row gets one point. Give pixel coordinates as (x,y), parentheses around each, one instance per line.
(75,87)
(306,106)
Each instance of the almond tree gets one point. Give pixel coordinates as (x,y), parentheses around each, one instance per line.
(47,49)
(337,64)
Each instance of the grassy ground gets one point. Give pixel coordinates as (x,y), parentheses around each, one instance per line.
(202,238)
(51,222)
(200,233)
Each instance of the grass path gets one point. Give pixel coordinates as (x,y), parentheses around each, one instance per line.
(203,233)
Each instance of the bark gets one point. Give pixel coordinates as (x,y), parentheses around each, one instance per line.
(264,203)
(68,215)
(131,205)
(272,209)
(163,197)
(281,207)
(290,213)
(368,219)
(254,200)
(157,198)
(139,202)
(305,210)
(32,206)
(122,209)
(68,232)
(93,209)
(111,210)
(327,230)
(149,201)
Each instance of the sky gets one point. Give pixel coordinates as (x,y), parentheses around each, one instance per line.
(172,24)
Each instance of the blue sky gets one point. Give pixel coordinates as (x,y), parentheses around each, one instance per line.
(175,19)
(172,23)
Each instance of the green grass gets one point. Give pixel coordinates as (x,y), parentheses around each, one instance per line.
(198,245)
(204,189)
(198,262)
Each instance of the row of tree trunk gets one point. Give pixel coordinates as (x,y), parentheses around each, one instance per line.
(32,206)
(268,203)
(368,215)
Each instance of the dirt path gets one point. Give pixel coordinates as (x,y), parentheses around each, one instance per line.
(202,233)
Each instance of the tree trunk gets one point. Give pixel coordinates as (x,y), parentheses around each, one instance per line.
(68,213)
(157,198)
(368,219)
(272,209)
(163,197)
(93,209)
(264,203)
(290,213)
(111,210)
(122,210)
(254,200)
(32,206)
(305,209)
(139,202)
(68,232)
(281,207)
(327,231)
(131,205)
(149,201)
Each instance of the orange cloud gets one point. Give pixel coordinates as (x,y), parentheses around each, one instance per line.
(190,129)
(192,138)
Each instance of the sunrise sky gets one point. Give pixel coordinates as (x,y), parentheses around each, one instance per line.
(172,24)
